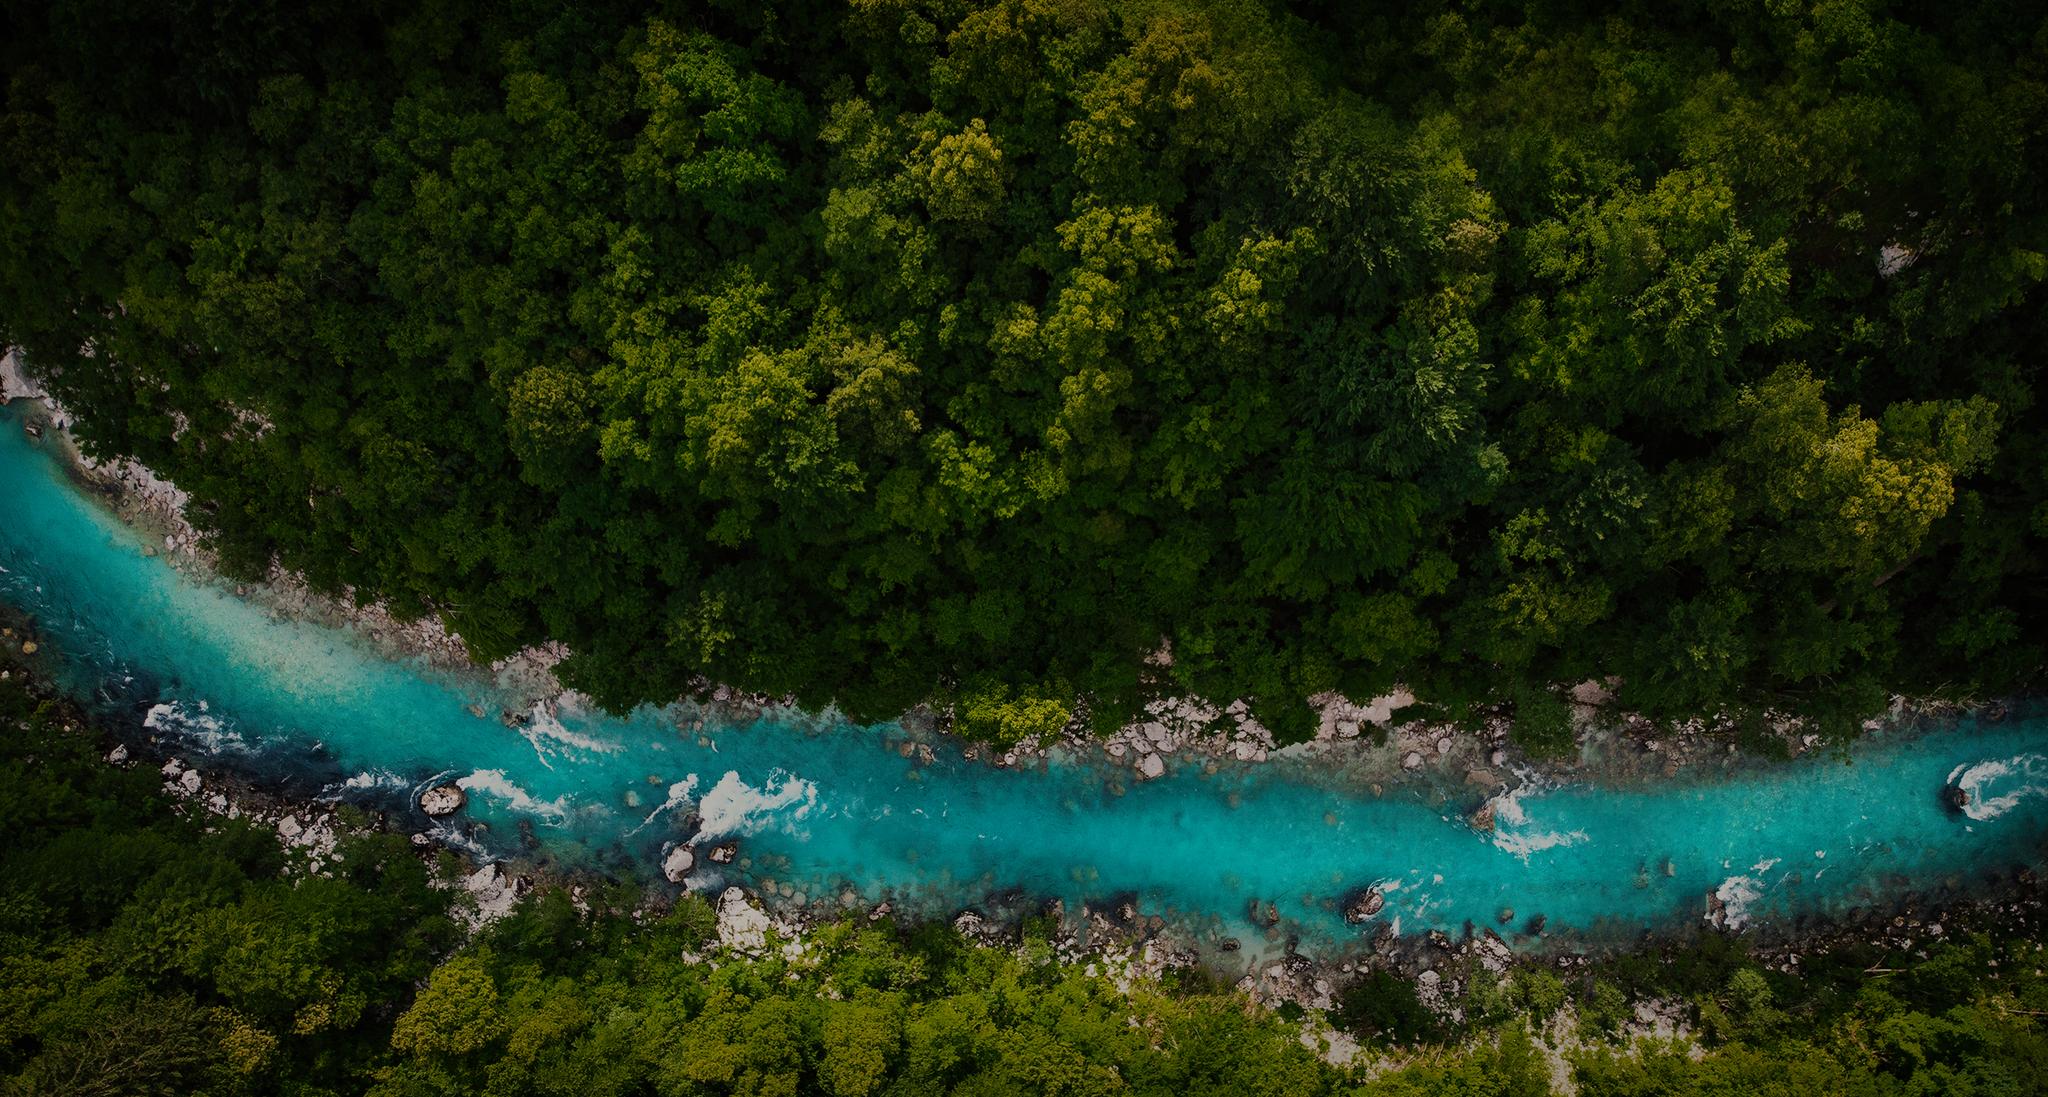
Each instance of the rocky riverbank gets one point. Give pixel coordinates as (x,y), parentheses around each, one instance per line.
(1376,743)
(1115,936)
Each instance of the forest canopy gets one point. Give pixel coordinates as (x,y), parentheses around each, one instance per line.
(888,352)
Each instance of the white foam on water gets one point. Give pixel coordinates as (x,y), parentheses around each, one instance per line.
(1509,833)
(204,730)
(1736,893)
(447,835)
(735,807)
(376,778)
(678,795)
(493,782)
(550,738)
(1981,779)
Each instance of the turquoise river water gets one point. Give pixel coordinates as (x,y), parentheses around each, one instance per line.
(822,807)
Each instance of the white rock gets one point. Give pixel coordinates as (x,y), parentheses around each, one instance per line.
(1411,760)
(1380,710)
(1443,745)
(172,769)
(119,754)
(290,827)
(742,926)
(678,864)
(493,894)
(1494,953)
(442,800)
(14,383)
(190,781)
(1151,766)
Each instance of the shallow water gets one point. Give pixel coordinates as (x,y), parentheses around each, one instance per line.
(823,808)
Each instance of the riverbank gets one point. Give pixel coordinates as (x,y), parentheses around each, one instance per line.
(1459,981)
(1370,742)
(1213,841)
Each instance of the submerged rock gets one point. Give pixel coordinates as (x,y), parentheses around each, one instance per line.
(678,864)
(1955,797)
(443,800)
(1482,818)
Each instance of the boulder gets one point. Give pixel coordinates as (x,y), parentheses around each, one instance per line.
(443,800)
(1482,818)
(678,864)
(742,926)
(1494,954)
(724,852)
(1151,766)
(119,754)
(1363,904)
(1411,760)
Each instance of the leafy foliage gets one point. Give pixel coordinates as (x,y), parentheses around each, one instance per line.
(974,351)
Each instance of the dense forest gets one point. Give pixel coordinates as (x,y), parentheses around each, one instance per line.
(146,949)
(1039,356)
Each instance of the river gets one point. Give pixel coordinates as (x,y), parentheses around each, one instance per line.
(824,810)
